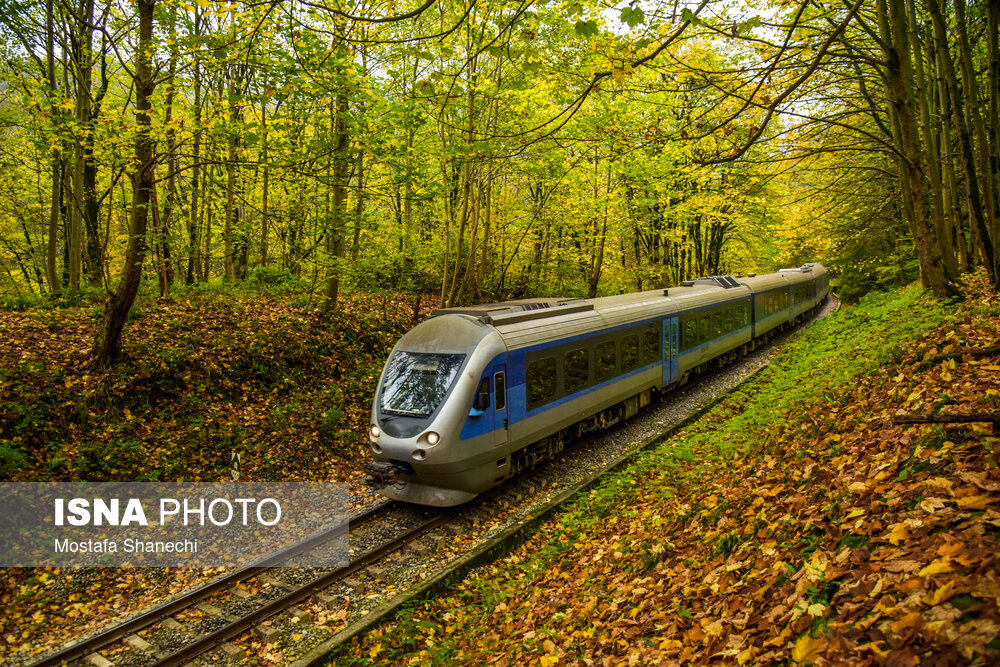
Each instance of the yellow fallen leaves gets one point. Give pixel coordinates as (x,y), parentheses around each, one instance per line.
(939,566)
(807,649)
(978,502)
(942,594)
(899,533)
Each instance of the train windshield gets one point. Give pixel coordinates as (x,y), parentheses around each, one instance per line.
(416,382)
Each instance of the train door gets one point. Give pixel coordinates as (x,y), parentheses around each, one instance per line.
(670,346)
(501,427)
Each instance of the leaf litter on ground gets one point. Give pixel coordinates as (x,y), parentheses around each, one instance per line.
(289,387)
(794,523)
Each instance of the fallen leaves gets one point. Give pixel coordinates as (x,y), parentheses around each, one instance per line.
(833,535)
(288,387)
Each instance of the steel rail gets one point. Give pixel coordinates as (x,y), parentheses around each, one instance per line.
(144,620)
(208,641)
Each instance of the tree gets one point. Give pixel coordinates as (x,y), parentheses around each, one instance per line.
(107,343)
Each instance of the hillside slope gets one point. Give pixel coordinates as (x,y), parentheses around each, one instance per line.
(288,387)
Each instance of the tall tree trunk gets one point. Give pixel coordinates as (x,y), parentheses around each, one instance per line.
(974,119)
(960,115)
(52,243)
(91,203)
(194,219)
(411,132)
(166,217)
(83,41)
(232,211)
(336,231)
(264,212)
(932,160)
(209,216)
(161,261)
(107,343)
(467,177)
(901,104)
(597,260)
(993,55)
(359,204)
(359,207)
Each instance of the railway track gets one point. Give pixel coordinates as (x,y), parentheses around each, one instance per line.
(233,625)
(140,653)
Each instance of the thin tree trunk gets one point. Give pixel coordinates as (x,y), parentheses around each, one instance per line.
(993,55)
(898,77)
(52,243)
(231,211)
(960,114)
(161,260)
(974,120)
(336,231)
(194,220)
(162,225)
(84,39)
(359,206)
(265,194)
(107,343)
(467,176)
(924,95)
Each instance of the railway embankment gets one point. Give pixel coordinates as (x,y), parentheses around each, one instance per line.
(796,520)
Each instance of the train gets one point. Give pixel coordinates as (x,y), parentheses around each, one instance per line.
(474,395)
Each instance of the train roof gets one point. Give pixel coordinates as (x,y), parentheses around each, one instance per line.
(528,322)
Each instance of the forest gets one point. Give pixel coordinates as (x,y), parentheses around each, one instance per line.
(217,216)
(489,150)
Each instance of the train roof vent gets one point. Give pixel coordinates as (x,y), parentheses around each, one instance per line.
(751,275)
(726,282)
(687,283)
(510,312)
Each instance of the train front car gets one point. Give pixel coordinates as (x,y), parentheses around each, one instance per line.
(427,392)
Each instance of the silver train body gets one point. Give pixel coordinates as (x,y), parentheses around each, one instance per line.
(472,396)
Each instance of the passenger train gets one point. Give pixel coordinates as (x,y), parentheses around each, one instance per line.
(473,395)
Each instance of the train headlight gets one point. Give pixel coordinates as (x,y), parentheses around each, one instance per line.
(432,438)
(374,432)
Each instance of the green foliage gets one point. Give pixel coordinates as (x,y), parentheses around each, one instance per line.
(272,280)
(16,303)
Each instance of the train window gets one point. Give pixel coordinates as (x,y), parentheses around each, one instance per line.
(604,360)
(651,344)
(703,330)
(415,383)
(577,367)
(500,390)
(716,325)
(482,401)
(727,322)
(541,380)
(630,351)
(690,334)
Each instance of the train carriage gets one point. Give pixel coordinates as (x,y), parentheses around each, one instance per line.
(473,395)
